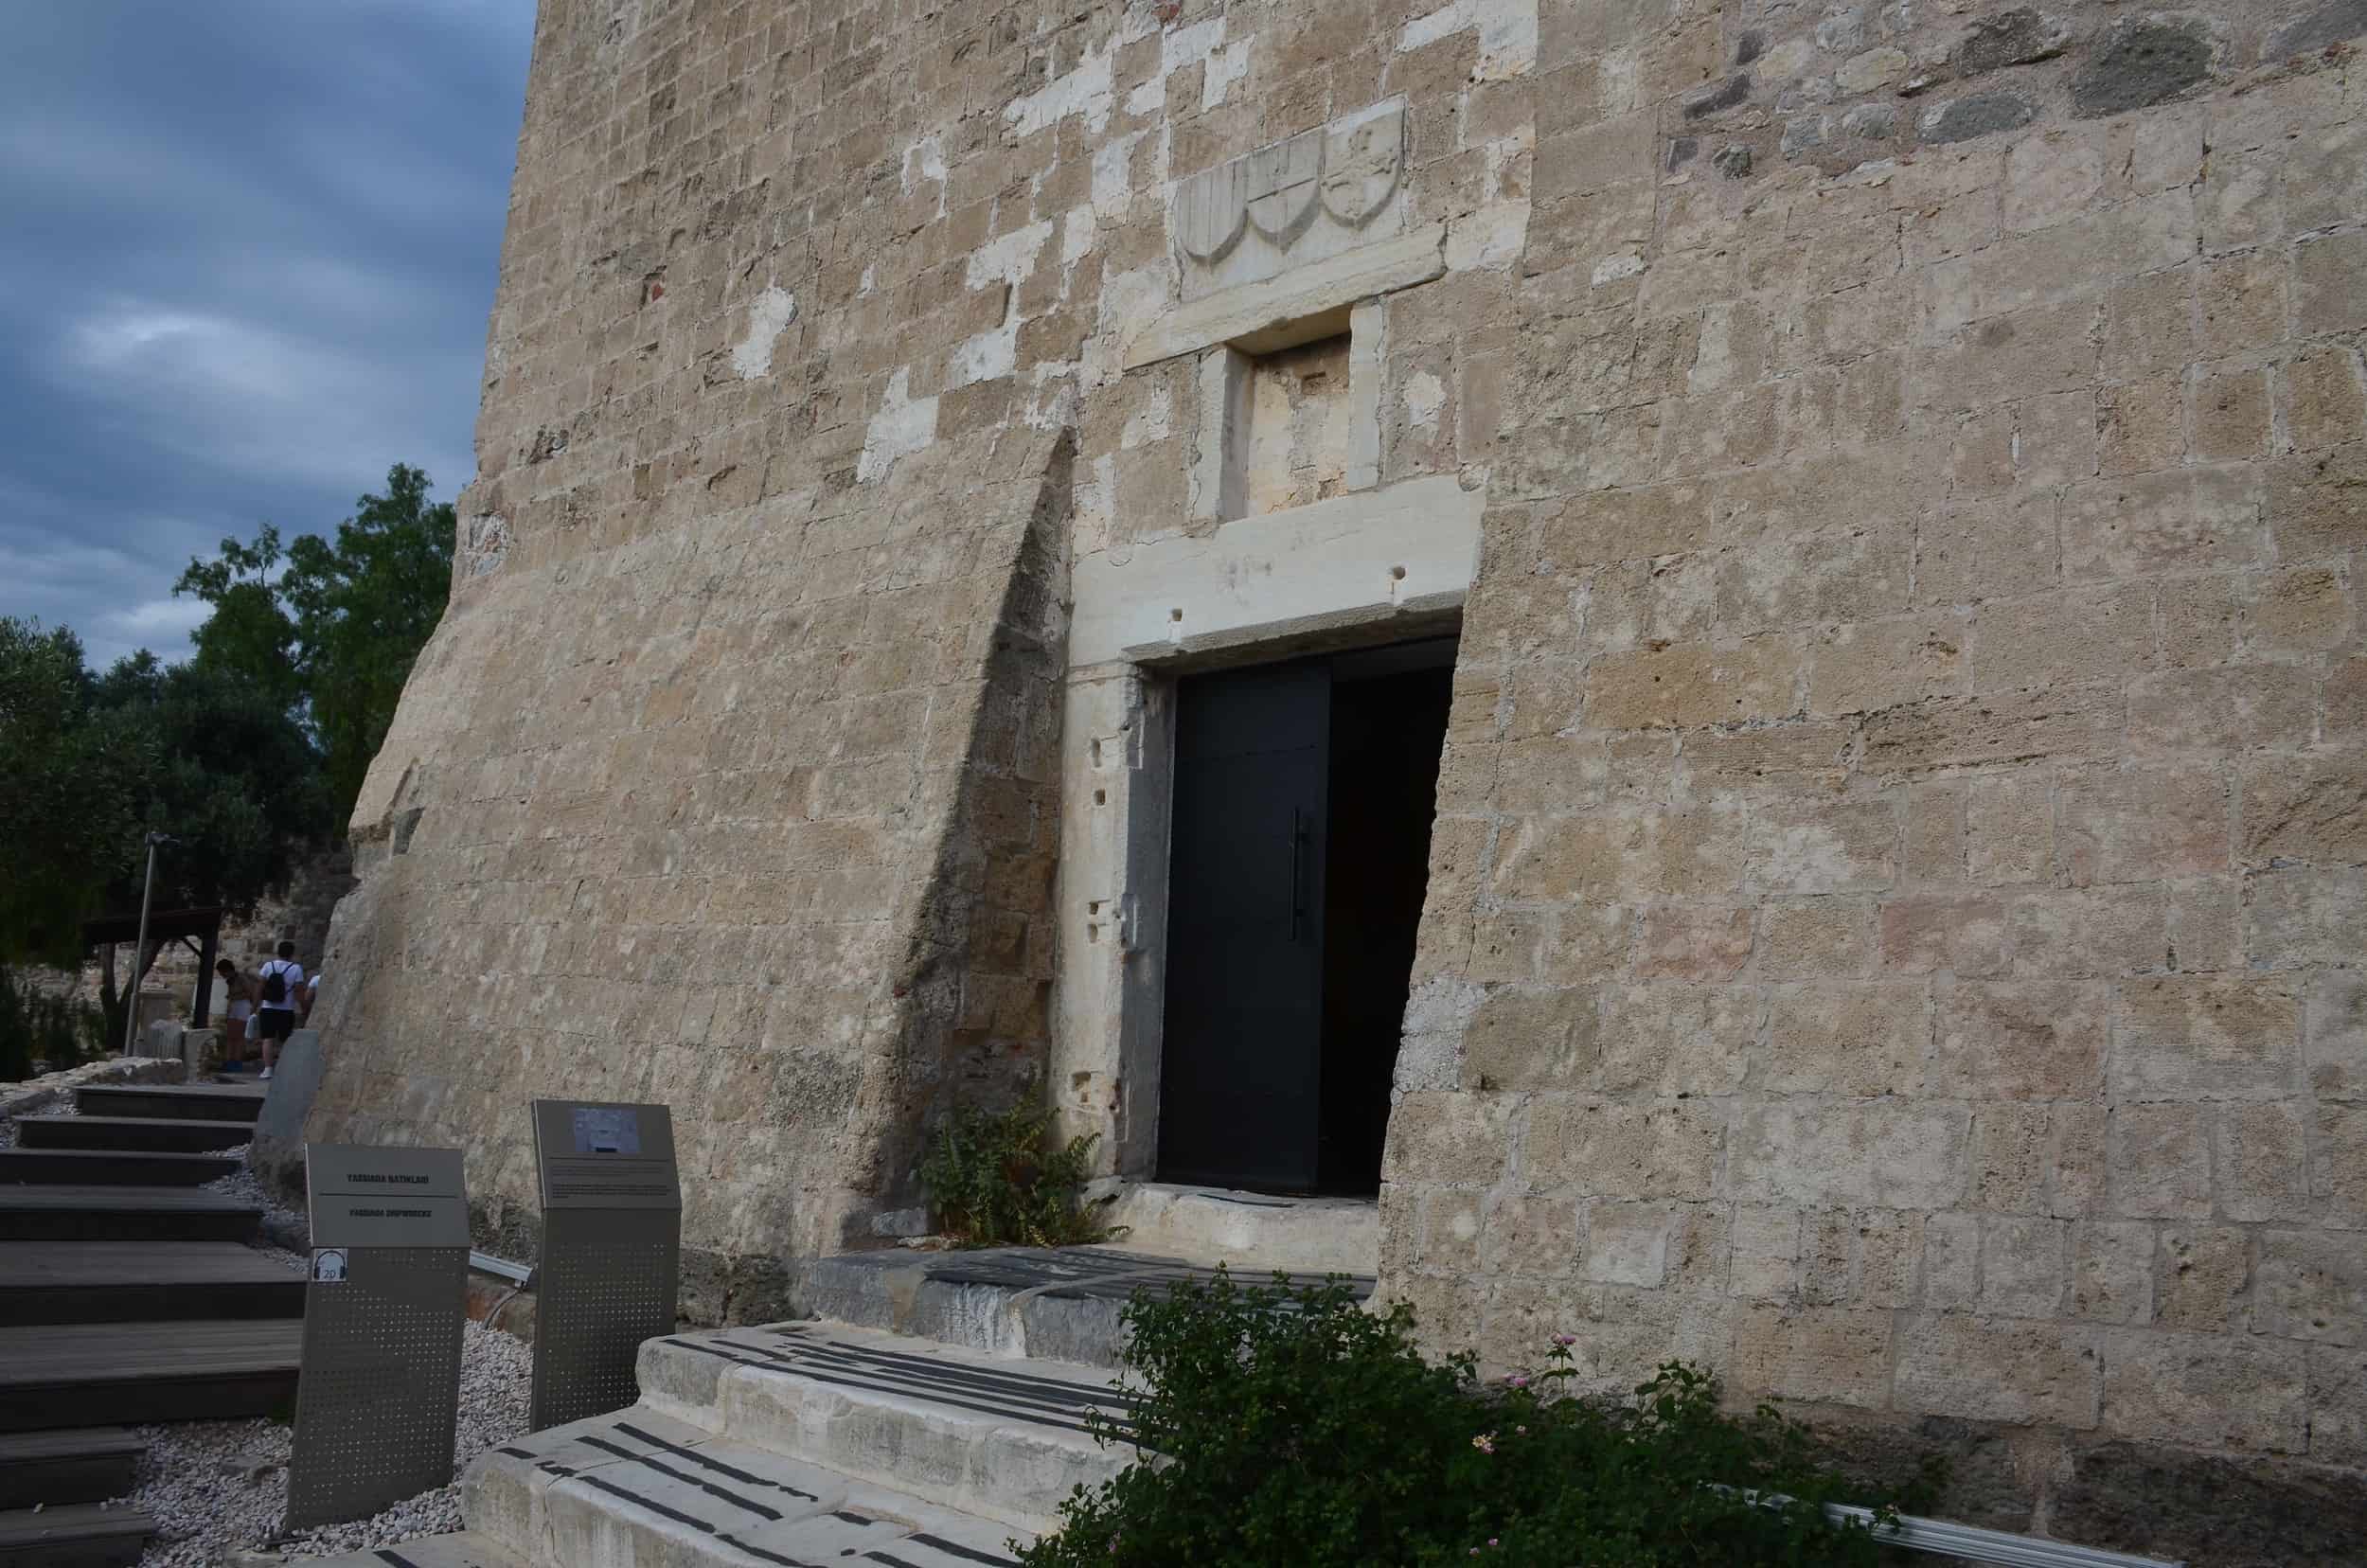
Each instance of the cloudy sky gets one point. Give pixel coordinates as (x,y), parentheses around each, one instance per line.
(247,255)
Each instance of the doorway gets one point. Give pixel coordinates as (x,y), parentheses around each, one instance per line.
(1298,856)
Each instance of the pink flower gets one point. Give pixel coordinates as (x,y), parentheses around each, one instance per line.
(1484,1442)
(1565,1340)
(1518,1379)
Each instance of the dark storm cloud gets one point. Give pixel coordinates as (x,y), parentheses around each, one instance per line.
(248,253)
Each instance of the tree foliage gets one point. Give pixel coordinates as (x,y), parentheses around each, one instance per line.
(231,778)
(249,756)
(332,628)
(70,794)
(94,763)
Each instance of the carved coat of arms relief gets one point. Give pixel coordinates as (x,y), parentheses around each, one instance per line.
(1313,194)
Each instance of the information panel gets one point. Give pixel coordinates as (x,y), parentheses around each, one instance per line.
(612,1251)
(380,1391)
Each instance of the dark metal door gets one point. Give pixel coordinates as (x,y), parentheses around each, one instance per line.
(1239,1091)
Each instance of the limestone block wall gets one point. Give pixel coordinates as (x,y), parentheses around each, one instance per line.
(1894,913)
(817,358)
(1894,908)
(727,780)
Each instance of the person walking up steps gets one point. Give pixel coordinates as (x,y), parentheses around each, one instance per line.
(237,1012)
(281,982)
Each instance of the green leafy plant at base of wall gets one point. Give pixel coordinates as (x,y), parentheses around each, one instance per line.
(1293,1426)
(996,1181)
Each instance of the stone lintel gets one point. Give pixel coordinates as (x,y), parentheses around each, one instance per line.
(1298,307)
(1410,548)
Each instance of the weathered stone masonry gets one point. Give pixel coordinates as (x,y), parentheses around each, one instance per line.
(1894,913)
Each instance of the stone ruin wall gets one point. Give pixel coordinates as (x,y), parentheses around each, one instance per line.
(1895,902)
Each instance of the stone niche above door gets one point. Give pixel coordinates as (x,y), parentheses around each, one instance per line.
(1311,196)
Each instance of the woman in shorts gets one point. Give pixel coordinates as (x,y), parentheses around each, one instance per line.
(238,1008)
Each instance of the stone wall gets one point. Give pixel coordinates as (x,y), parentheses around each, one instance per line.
(1898,869)
(1893,912)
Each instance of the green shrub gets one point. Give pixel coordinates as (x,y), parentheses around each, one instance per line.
(1294,1427)
(993,1181)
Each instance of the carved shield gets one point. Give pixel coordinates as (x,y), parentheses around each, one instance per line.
(1212,211)
(1363,165)
(1282,181)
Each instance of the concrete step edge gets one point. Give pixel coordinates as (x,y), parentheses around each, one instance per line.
(638,1488)
(459,1549)
(1002,1438)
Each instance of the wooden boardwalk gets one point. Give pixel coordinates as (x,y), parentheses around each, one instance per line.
(182,1135)
(67,1211)
(127,1293)
(105,1166)
(128,1281)
(83,1462)
(207,1101)
(78,1533)
(62,1374)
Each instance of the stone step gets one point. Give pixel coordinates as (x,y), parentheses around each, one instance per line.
(80,1535)
(997,1436)
(638,1490)
(142,1281)
(1060,1302)
(63,1211)
(56,1375)
(111,1166)
(85,1465)
(160,1133)
(173,1102)
(461,1549)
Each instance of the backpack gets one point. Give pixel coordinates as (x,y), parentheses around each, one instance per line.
(276,982)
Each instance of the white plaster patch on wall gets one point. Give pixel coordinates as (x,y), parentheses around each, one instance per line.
(1079,229)
(1154,421)
(487,543)
(1508,163)
(1128,300)
(924,160)
(1092,498)
(1085,91)
(1425,395)
(1053,406)
(1507,33)
(1804,858)
(769,315)
(902,424)
(1114,174)
(1488,240)
(1225,67)
(984,357)
(1611,269)
(1011,258)
(1182,46)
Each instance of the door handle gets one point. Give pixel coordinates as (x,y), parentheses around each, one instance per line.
(1298,873)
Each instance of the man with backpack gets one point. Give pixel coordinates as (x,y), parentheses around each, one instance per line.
(279,986)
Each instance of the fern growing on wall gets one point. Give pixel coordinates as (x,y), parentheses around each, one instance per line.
(996,1179)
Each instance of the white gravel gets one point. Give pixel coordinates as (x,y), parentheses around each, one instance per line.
(283,1226)
(218,1487)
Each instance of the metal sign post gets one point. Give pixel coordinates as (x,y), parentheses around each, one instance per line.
(611,1246)
(379,1390)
